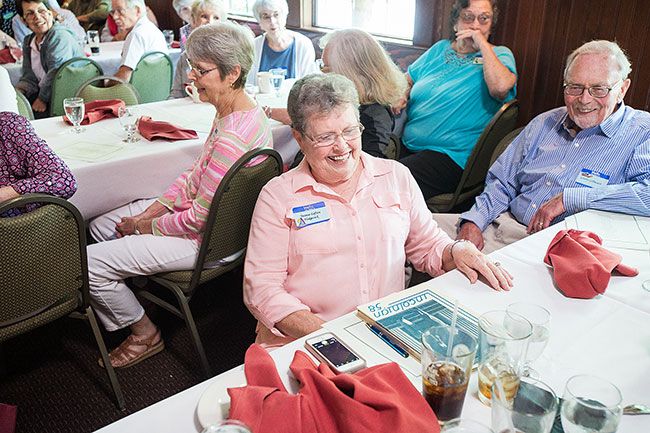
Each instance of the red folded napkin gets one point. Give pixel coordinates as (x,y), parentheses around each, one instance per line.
(6,56)
(152,129)
(8,418)
(377,399)
(97,110)
(176,44)
(581,266)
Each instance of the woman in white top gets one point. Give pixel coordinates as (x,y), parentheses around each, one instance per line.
(8,100)
(279,47)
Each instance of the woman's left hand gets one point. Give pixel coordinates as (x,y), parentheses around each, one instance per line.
(473,263)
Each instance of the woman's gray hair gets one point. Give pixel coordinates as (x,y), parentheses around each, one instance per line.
(271,5)
(616,55)
(319,95)
(224,44)
(203,5)
(458,6)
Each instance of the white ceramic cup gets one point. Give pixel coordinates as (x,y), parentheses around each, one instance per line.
(264,82)
(192,92)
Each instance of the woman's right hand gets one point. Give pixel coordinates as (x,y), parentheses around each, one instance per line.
(126,226)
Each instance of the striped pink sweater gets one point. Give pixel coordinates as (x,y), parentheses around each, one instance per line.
(189,197)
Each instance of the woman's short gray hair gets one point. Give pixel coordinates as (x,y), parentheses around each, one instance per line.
(616,55)
(319,94)
(224,44)
(271,5)
(200,6)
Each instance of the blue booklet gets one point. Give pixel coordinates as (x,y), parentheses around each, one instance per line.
(404,316)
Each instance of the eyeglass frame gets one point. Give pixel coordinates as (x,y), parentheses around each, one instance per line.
(200,72)
(320,63)
(589,89)
(483,18)
(336,135)
(32,14)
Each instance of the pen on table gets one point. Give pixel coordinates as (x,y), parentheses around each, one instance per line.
(386,340)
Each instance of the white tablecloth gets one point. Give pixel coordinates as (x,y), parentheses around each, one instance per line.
(109,58)
(602,336)
(111,173)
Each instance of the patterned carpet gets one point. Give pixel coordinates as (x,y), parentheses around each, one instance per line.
(52,375)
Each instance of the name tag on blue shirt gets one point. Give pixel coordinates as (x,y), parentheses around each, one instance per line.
(310,214)
(478,60)
(590,178)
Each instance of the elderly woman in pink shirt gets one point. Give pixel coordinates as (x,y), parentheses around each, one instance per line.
(336,231)
(157,235)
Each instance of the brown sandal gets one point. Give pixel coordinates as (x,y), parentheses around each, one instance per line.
(124,355)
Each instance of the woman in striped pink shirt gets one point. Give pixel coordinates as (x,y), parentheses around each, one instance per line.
(151,236)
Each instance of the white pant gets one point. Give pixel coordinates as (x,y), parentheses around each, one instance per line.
(501,232)
(112,259)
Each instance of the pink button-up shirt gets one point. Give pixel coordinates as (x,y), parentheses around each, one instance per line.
(355,257)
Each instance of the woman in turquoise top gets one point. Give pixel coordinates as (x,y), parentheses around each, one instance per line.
(454,90)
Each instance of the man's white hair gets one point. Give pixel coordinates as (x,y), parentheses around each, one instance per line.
(618,59)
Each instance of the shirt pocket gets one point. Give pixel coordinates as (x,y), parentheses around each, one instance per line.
(393,210)
(316,238)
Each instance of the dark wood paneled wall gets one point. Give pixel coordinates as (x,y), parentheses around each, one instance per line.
(541,33)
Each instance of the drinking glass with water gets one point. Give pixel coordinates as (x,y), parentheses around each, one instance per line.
(129,117)
(277,78)
(74,110)
(591,405)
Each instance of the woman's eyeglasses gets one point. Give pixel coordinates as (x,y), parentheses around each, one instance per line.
(468,18)
(329,138)
(198,71)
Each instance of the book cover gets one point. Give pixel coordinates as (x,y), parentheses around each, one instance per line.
(404,316)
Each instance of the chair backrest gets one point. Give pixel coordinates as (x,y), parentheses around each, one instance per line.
(44,271)
(153,76)
(504,143)
(94,90)
(478,162)
(69,77)
(24,107)
(231,210)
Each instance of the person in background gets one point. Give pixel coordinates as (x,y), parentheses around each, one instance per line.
(143,35)
(279,47)
(91,14)
(48,47)
(454,90)
(151,236)
(111,33)
(203,12)
(183,9)
(61,16)
(593,153)
(28,165)
(8,100)
(7,11)
(336,231)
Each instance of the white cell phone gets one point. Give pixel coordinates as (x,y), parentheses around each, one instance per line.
(334,353)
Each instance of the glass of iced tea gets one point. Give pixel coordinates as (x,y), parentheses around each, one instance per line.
(447,359)
(503,341)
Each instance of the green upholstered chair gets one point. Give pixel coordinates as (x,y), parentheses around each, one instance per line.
(472,180)
(69,77)
(24,107)
(153,77)
(93,90)
(226,234)
(504,143)
(44,271)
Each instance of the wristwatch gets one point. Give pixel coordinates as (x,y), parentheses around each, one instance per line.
(136,231)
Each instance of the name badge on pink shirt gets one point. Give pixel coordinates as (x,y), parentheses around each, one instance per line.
(310,214)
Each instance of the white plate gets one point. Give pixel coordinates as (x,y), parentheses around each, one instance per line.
(214,404)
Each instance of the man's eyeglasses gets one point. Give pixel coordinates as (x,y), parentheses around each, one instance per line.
(595,91)
(322,66)
(120,11)
(329,138)
(198,71)
(468,18)
(30,15)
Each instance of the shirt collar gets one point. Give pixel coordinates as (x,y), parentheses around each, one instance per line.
(372,167)
(608,127)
